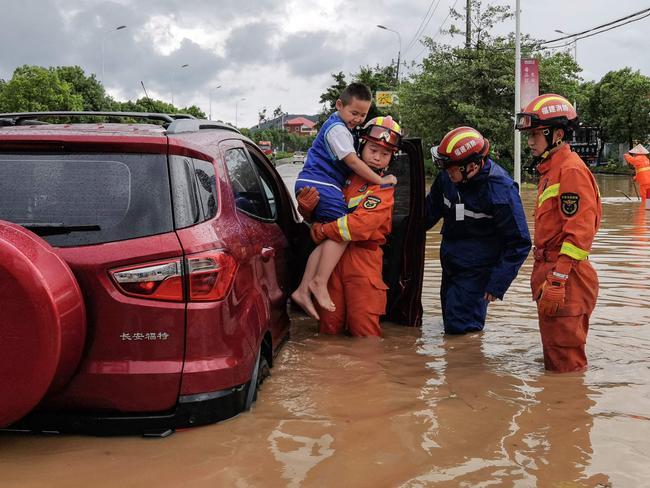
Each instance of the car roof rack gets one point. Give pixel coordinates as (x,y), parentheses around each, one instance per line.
(174,123)
(195,125)
(23,118)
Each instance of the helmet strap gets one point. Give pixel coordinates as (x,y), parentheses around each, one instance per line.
(464,169)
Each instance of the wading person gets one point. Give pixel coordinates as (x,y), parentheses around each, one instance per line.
(330,161)
(485,236)
(567,216)
(356,286)
(638,158)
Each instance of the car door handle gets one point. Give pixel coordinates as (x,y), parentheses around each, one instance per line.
(267,253)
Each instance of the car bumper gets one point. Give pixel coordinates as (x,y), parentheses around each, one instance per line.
(191,410)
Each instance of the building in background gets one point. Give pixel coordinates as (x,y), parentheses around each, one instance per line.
(301,126)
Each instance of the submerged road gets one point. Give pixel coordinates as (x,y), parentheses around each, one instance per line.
(417,408)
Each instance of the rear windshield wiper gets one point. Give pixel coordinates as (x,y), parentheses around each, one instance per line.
(51,228)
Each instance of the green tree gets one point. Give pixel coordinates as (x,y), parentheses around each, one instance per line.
(277,112)
(620,104)
(377,78)
(34,89)
(329,98)
(193,110)
(261,116)
(475,86)
(91,90)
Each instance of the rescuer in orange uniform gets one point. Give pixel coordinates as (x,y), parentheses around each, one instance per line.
(567,217)
(638,158)
(356,286)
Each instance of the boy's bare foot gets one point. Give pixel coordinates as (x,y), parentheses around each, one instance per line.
(304,301)
(319,290)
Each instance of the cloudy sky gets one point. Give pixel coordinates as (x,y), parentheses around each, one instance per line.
(274,52)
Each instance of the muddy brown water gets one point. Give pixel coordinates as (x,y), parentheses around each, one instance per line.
(417,408)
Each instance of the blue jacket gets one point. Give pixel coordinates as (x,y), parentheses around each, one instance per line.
(492,235)
(321,163)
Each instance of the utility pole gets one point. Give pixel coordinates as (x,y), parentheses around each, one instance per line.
(517,155)
(468,24)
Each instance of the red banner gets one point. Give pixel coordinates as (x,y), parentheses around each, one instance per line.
(529,80)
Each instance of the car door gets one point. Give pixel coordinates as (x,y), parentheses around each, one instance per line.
(257,200)
(404,249)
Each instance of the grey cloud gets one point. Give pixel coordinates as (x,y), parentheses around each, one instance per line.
(251,43)
(310,54)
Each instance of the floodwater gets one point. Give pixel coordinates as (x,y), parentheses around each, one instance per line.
(416,409)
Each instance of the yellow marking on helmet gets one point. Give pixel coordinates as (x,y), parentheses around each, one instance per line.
(462,135)
(548,99)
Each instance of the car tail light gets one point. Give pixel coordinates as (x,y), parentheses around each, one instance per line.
(157,281)
(209,277)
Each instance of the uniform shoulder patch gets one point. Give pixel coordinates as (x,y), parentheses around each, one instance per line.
(569,203)
(363,188)
(371,202)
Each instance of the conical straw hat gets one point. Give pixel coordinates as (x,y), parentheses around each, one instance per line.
(638,149)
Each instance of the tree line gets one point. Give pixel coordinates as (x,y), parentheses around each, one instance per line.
(452,86)
(474,85)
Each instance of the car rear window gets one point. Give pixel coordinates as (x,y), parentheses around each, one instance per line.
(81,199)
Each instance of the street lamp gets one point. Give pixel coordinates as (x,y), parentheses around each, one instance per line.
(120,27)
(210,95)
(575,44)
(236,110)
(173,76)
(399,51)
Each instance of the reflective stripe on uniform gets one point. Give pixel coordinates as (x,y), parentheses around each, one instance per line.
(473,134)
(478,215)
(550,192)
(446,201)
(573,251)
(342,223)
(316,182)
(355,201)
(641,170)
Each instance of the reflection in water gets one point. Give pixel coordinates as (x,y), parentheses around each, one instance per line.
(299,453)
(416,409)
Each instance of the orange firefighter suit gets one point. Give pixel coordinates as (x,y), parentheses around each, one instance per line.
(563,281)
(356,286)
(642,167)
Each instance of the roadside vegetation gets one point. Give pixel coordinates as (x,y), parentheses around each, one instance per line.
(452,86)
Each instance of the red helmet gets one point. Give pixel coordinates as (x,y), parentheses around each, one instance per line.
(548,110)
(460,147)
(383,131)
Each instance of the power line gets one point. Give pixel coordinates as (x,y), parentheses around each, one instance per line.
(570,36)
(423,25)
(439,28)
(578,36)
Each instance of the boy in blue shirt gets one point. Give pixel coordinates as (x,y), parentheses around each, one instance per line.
(330,161)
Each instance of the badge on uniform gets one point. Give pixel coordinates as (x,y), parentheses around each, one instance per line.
(371,202)
(569,203)
(460,211)
(363,188)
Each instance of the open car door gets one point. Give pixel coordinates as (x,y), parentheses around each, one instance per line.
(404,249)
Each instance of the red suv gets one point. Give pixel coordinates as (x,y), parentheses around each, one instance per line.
(145,269)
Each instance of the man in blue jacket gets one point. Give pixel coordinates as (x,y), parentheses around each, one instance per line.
(485,236)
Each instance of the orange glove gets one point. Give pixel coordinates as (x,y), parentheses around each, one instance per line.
(307,199)
(317,234)
(553,291)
